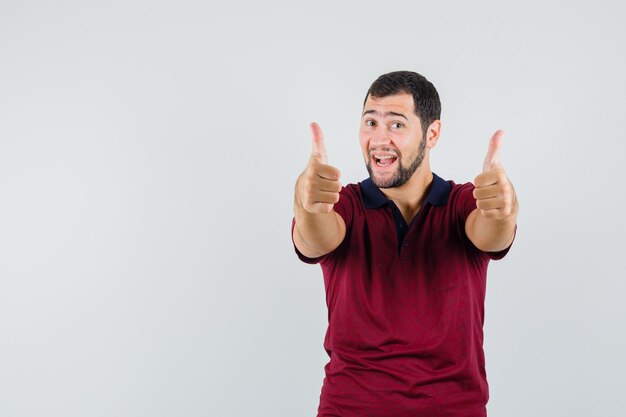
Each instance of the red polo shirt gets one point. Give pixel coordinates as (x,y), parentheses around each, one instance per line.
(405,308)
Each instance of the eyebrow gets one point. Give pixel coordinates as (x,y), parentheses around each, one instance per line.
(389,113)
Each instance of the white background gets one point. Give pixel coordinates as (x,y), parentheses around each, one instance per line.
(148,152)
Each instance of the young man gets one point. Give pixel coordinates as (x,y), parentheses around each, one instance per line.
(404,256)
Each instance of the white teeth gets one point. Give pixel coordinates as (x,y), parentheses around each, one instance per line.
(385,157)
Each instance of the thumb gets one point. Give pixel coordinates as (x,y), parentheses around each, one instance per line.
(319,149)
(492,159)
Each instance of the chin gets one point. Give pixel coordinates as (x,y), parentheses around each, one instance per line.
(384,182)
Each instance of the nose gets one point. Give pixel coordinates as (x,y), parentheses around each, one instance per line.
(380,138)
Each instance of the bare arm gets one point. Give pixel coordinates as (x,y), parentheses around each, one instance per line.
(490,235)
(491,227)
(317,234)
(318,229)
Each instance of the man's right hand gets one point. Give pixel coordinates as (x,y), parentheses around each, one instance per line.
(318,228)
(317,188)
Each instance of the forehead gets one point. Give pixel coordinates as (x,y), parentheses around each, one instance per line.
(397,103)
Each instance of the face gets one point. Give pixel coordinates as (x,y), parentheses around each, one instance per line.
(391,139)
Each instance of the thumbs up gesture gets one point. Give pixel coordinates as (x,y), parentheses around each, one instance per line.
(317,188)
(494,193)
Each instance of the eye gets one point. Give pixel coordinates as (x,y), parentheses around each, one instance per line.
(370,123)
(396,125)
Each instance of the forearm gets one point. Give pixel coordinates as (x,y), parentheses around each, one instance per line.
(317,234)
(492,235)
(318,228)
(491,226)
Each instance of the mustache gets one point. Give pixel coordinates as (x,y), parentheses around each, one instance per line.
(395,152)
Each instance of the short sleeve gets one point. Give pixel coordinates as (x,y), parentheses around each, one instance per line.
(465,203)
(345,208)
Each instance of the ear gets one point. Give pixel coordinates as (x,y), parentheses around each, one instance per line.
(432,134)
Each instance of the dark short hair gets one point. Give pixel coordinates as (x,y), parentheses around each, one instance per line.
(425,96)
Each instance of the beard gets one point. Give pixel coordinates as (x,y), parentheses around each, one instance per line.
(402,174)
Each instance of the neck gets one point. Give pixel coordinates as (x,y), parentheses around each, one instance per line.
(410,196)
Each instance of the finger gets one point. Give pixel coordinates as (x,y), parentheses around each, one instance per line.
(491,214)
(319,148)
(492,159)
(482,193)
(325,197)
(328,185)
(328,172)
(489,178)
(489,203)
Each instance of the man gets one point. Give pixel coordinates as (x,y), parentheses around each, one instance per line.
(404,256)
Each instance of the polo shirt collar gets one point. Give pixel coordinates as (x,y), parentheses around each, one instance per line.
(374,198)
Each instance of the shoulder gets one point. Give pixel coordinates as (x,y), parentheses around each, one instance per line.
(352,189)
(351,193)
(460,191)
(461,201)
(448,192)
(349,202)
(353,186)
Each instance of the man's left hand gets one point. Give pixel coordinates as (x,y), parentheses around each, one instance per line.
(494,193)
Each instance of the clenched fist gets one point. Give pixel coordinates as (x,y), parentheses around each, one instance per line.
(494,193)
(317,188)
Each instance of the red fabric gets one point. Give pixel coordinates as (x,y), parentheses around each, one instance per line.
(405,320)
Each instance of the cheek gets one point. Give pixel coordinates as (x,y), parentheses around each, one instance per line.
(405,142)
(400,137)
(364,140)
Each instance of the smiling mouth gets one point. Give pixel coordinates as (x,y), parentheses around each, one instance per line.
(384,160)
